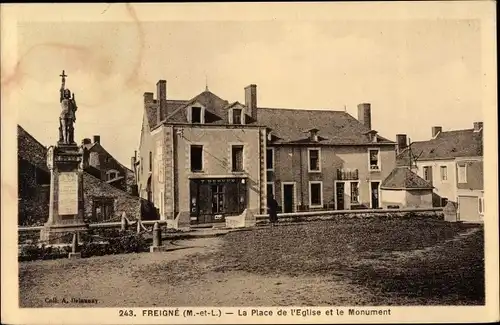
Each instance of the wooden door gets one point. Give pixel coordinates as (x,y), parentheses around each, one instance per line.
(288,198)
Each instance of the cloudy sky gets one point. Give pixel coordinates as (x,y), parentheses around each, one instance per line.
(416,73)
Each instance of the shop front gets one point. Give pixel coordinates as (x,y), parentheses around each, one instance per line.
(213,199)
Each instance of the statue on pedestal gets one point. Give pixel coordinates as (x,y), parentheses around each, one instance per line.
(68,113)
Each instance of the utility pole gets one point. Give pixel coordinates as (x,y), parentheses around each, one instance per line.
(409,153)
(412,158)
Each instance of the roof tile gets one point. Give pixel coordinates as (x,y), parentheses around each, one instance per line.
(404,178)
(447,145)
(287,125)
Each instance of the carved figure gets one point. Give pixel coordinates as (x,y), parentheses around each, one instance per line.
(68,113)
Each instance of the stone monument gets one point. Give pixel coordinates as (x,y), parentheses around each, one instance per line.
(65,162)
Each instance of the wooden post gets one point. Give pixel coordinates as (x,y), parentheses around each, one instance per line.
(138,225)
(124,225)
(74,247)
(157,247)
(74,244)
(156,234)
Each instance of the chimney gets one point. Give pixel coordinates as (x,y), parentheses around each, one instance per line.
(132,163)
(161,97)
(478,126)
(97,139)
(251,100)
(148,98)
(85,156)
(436,130)
(365,115)
(402,143)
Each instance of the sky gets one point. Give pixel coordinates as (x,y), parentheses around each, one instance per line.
(416,73)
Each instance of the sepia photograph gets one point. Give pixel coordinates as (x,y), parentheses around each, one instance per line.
(217,162)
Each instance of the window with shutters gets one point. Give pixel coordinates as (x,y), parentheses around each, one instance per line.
(237,158)
(462,174)
(314,156)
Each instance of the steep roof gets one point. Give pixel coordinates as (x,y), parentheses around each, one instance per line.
(29,149)
(36,153)
(287,125)
(404,178)
(334,127)
(446,145)
(98,146)
(152,110)
(215,112)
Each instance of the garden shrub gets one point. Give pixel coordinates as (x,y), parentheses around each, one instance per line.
(31,252)
(112,241)
(95,243)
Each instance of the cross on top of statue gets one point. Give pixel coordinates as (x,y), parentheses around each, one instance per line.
(63,79)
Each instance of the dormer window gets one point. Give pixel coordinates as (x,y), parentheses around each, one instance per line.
(313,135)
(112,174)
(237,116)
(195,114)
(372,136)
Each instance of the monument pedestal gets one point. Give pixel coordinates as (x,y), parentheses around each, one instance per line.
(66,207)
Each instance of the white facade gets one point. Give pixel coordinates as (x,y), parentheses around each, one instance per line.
(444,185)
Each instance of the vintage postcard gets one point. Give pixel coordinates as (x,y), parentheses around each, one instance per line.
(233,163)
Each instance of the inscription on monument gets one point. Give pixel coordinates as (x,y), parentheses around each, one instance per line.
(68,193)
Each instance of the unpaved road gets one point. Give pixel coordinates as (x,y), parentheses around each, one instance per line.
(284,266)
(134,280)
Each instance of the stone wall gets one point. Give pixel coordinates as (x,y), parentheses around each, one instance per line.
(436,214)
(123,202)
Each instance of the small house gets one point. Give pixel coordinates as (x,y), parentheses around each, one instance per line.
(405,189)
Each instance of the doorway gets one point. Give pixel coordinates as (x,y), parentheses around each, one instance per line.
(339,195)
(288,198)
(375,195)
